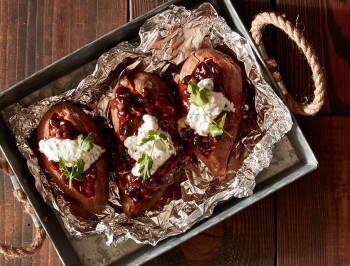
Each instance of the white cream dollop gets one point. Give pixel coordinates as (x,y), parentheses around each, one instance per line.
(69,151)
(198,119)
(160,152)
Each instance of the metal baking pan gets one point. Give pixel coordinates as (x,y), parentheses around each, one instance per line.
(292,155)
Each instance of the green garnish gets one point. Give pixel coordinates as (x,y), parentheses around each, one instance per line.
(87,143)
(218,129)
(199,97)
(146,161)
(75,172)
(152,135)
(165,139)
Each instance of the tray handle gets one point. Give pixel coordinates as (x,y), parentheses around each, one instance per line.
(10,251)
(264,19)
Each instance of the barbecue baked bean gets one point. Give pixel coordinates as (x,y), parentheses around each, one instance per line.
(61,128)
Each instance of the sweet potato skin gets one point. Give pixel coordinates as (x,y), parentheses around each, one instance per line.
(139,84)
(217,159)
(84,123)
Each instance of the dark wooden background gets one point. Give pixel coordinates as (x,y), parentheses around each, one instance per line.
(307,222)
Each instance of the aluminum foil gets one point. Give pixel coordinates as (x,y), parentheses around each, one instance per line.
(166,40)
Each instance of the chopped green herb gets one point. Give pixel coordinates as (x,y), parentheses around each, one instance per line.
(153,135)
(165,139)
(87,143)
(145,160)
(146,163)
(75,172)
(199,97)
(215,130)
(218,129)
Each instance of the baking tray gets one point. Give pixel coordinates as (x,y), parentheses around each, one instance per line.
(292,155)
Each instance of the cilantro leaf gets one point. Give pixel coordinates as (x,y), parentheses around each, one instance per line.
(146,163)
(193,88)
(215,130)
(165,139)
(152,134)
(64,168)
(87,143)
(78,169)
(223,120)
(199,97)
(75,172)
(203,95)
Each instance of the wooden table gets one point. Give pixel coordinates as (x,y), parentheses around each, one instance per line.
(307,222)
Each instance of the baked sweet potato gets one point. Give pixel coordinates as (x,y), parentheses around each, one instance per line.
(227,77)
(136,95)
(66,121)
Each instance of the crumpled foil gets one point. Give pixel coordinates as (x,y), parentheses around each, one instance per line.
(166,40)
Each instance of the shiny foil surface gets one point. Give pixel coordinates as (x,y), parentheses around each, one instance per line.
(166,40)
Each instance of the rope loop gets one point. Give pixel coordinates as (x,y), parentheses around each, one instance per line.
(318,76)
(39,236)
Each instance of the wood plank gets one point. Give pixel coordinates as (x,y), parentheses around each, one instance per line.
(313,214)
(313,220)
(139,7)
(34,34)
(330,40)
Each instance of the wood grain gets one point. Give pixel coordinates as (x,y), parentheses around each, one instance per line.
(313,214)
(313,223)
(139,7)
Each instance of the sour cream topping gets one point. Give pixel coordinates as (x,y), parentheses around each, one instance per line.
(69,151)
(154,148)
(198,118)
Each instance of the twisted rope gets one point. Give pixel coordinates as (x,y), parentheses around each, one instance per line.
(39,237)
(280,22)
